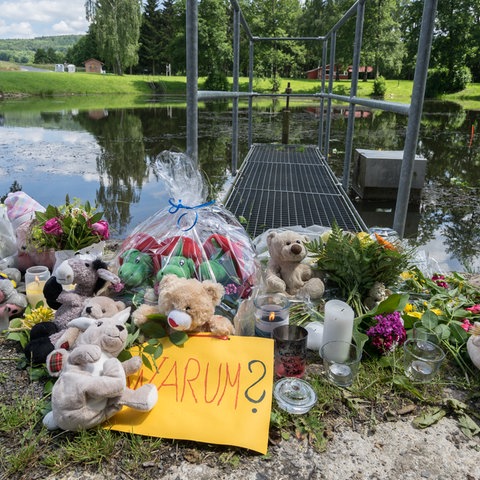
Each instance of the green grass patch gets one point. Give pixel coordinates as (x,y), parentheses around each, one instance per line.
(55,84)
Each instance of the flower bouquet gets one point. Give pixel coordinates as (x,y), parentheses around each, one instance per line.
(72,226)
(354,263)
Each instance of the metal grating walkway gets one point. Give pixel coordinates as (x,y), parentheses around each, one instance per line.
(287,185)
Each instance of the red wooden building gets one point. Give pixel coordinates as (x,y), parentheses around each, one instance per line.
(316,73)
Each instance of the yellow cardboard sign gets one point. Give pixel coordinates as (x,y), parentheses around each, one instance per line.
(209,390)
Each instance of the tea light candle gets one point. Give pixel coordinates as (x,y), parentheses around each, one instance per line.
(338,324)
(315,335)
(271,310)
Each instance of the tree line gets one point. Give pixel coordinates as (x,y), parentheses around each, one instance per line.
(132,37)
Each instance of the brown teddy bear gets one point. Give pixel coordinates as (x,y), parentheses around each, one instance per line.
(189,305)
(286,271)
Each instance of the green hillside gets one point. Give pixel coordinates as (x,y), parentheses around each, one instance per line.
(22,50)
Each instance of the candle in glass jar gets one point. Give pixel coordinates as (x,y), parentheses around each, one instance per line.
(271,310)
(35,279)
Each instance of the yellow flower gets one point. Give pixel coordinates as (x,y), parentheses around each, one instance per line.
(416,314)
(409,307)
(37,315)
(436,311)
(325,236)
(364,238)
(407,275)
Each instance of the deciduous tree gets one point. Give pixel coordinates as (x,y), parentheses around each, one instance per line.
(117,28)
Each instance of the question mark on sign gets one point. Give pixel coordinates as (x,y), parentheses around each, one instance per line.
(262,376)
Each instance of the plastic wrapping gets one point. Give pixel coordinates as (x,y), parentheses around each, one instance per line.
(189,237)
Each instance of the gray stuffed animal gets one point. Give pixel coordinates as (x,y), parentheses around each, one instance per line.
(92,384)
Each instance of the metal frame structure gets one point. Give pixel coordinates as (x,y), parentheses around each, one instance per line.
(413,110)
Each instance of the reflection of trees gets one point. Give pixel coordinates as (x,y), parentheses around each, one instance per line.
(121,164)
(453,169)
(462,233)
(165,129)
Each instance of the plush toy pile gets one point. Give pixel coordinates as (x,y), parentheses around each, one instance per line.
(91,386)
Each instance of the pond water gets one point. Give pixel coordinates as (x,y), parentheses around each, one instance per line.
(110,157)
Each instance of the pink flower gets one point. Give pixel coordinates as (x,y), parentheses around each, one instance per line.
(53,227)
(440,280)
(466,325)
(101,228)
(475,309)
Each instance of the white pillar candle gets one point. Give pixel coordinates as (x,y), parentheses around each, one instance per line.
(315,335)
(338,323)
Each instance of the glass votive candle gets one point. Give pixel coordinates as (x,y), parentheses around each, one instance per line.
(271,310)
(422,360)
(35,279)
(341,361)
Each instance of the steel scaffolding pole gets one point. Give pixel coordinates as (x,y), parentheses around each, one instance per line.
(416,107)
(192,78)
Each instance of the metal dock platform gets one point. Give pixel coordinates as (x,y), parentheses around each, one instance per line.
(287,185)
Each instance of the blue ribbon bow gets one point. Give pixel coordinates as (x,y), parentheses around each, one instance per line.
(176,207)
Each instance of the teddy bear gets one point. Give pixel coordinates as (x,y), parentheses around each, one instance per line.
(286,272)
(92,384)
(101,306)
(189,305)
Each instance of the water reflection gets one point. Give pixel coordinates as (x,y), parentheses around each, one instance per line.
(109,156)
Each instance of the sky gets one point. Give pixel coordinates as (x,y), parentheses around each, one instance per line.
(38,18)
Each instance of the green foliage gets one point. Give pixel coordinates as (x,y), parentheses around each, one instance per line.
(23,50)
(150,35)
(49,55)
(442,310)
(442,81)
(214,41)
(379,87)
(353,263)
(217,80)
(154,329)
(117,30)
(86,47)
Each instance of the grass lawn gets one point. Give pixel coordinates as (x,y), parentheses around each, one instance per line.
(49,83)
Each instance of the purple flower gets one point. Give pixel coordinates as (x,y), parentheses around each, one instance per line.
(53,227)
(388,332)
(101,228)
